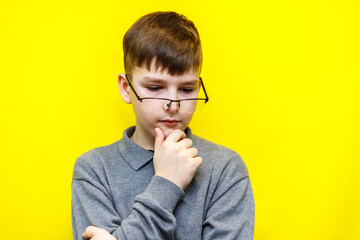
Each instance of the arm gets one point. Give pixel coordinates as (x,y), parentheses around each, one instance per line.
(151,216)
(175,163)
(231,211)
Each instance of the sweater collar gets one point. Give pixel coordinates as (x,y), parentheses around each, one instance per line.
(135,155)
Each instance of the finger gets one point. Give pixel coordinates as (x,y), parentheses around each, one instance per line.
(198,161)
(176,136)
(193,152)
(185,143)
(89,232)
(159,138)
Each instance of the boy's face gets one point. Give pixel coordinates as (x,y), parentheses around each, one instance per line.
(159,84)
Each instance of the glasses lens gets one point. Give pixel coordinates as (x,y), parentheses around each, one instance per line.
(161,105)
(191,106)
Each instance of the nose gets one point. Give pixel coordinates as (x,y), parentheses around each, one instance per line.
(172,106)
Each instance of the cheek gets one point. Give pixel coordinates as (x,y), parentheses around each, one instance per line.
(187,117)
(148,120)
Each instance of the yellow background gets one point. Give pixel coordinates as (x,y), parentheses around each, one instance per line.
(283,79)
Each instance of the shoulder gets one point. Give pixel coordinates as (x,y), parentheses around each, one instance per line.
(211,147)
(93,162)
(220,159)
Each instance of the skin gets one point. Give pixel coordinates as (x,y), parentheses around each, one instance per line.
(174,157)
(172,87)
(95,233)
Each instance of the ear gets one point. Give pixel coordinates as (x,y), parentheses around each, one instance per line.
(124,88)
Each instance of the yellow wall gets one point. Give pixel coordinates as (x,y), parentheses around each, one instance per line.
(283,77)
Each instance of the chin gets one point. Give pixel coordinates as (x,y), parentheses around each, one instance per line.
(168,131)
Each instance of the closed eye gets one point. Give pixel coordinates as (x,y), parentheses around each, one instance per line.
(187,90)
(154,88)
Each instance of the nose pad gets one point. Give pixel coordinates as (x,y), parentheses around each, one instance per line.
(172,106)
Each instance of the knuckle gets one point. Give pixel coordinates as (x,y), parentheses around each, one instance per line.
(183,154)
(166,144)
(176,148)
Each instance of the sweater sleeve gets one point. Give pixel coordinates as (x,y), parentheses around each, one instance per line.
(151,216)
(230,214)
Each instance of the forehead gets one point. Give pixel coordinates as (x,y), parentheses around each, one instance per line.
(144,75)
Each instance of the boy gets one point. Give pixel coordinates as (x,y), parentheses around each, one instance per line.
(160,181)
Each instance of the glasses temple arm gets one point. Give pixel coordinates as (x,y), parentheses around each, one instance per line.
(206,96)
(132,88)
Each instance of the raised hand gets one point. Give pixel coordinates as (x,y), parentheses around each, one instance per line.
(175,159)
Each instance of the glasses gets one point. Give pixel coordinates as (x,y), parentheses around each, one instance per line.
(188,105)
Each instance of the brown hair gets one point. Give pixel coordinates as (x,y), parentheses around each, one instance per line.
(166,37)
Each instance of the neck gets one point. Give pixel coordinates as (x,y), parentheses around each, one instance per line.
(142,140)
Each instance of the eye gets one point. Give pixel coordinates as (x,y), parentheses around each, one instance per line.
(154,88)
(187,90)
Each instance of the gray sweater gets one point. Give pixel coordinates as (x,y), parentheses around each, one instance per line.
(114,187)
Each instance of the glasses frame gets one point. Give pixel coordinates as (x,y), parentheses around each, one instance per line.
(168,99)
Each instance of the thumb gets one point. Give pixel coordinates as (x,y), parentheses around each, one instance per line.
(89,232)
(159,138)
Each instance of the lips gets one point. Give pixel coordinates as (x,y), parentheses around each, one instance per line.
(169,122)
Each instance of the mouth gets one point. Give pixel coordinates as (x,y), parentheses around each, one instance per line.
(170,122)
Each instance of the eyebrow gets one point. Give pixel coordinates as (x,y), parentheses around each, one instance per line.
(159,80)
